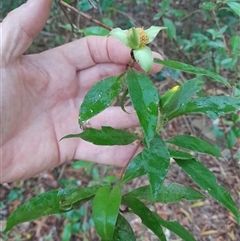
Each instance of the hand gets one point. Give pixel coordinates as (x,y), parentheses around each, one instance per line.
(41,95)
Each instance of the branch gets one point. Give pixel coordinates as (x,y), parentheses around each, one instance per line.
(88,17)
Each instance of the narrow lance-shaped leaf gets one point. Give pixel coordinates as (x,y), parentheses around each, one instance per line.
(174,98)
(145,98)
(191,69)
(123,230)
(156,164)
(169,193)
(213,106)
(169,101)
(235,7)
(194,144)
(105,210)
(107,136)
(175,227)
(189,88)
(179,154)
(99,97)
(78,197)
(52,202)
(134,169)
(139,166)
(207,181)
(147,217)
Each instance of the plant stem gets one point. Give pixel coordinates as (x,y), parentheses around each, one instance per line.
(124,168)
(88,17)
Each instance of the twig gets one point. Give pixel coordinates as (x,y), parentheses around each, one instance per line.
(66,15)
(88,17)
(62,171)
(92,4)
(190,14)
(182,52)
(124,168)
(223,38)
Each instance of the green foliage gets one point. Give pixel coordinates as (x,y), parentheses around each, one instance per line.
(107,136)
(123,230)
(153,161)
(107,90)
(147,217)
(194,144)
(207,181)
(105,210)
(190,69)
(52,202)
(140,88)
(168,193)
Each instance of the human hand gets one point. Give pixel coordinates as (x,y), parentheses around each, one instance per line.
(41,95)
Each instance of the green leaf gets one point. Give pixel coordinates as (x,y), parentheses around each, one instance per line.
(208,6)
(81,164)
(231,139)
(179,154)
(144,58)
(169,101)
(168,193)
(134,169)
(95,30)
(78,197)
(52,202)
(67,1)
(107,136)
(144,97)
(177,96)
(175,227)
(191,69)
(147,217)
(123,230)
(207,181)
(99,97)
(139,165)
(194,144)
(235,7)
(156,164)
(189,88)
(213,106)
(171,29)
(235,44)
(105,210)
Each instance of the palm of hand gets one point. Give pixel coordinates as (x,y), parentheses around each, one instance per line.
(42,94)
(47,90)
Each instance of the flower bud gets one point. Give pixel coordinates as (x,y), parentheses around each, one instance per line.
(133,38)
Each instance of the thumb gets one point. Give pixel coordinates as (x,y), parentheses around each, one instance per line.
(22,25)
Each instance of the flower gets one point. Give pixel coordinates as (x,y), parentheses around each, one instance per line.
(136,39)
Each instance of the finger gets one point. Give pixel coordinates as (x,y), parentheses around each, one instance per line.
(115,117)
(88,77)
(22,25)
(110,155)
(93,50)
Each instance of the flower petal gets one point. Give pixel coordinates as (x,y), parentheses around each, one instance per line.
(144,57)
(120,34)
(152,32)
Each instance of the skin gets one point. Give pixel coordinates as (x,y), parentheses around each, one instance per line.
(41,95)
